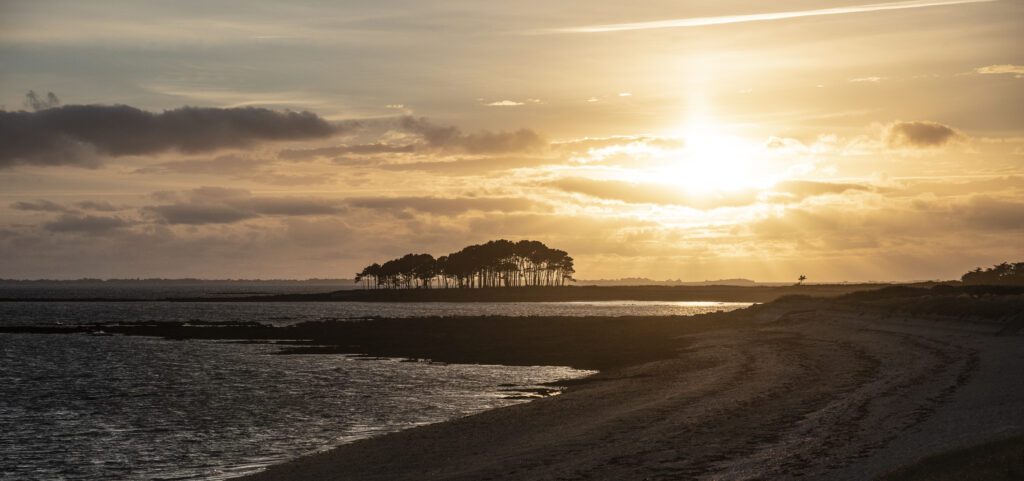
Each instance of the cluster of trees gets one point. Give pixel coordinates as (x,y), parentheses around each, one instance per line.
(499,263)
(1004,274)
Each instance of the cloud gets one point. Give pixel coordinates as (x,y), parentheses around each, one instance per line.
(198,214)
(505,103)
(238,166)
(39,206)
(291,206)
(801,189)
(415,135)
(868,79)
(207,193)
(432,138)
(893,227)
(280,178)
(77,134)
(757,17)
(919,216)
(472,166)
(1016,70)
(42,205)
(585,231)
(587,143)
(664,194)
(221,165)
(786,145)
(216,205)
(360,149)
(649,193)
(991,213)
(452,140)
(922,134)
(448,206)
(957,185)
(97,206)
(88,224)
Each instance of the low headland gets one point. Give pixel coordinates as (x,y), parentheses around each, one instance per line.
(852,387)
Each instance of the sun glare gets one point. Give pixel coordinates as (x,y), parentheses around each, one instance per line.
(711,161)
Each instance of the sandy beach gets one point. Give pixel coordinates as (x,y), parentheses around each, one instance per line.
(783,393)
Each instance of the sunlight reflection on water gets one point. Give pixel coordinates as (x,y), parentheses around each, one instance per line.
(286,313)
(81,407)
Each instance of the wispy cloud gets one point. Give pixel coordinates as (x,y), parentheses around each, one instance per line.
(233,98)
(758,17)
(868,79)
(1016,70)
(504,103)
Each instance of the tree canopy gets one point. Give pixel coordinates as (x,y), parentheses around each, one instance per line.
(1001,274)
(497,263)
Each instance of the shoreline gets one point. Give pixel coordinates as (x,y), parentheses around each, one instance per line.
(803,389)
(525,294)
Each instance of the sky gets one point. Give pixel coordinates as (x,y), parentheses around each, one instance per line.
(841,140)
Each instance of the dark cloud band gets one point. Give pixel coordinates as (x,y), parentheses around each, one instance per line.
(920,135)
(76,134)
(449,139)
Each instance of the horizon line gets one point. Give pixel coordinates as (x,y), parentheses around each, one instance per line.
(330,279)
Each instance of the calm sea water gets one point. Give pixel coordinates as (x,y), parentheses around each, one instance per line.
(284,313)
(80,407)
(154,291)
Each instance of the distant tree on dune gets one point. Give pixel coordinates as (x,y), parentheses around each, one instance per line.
(498,263)
(801,279)
(999,274)
(369,273)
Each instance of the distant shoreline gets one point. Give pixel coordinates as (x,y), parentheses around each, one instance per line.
(525,294)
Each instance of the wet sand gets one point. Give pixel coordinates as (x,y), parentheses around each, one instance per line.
(812,393)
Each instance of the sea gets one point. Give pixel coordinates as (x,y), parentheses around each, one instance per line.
(88,407)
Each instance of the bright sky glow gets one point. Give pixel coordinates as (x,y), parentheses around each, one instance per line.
(689,140)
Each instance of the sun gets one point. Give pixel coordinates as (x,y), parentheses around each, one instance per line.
(712,161)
